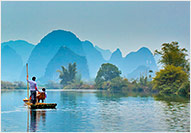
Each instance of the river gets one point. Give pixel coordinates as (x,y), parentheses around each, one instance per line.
(94,111)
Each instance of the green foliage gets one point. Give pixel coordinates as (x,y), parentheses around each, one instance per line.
(171,80)
(184,89)
(174,78)
(78,84)
(106,73)
(67,76)
(124,86)
(13,85)
(74,85)
(173,55)
(70,79)
(108,78)
(52,85)
(116,84)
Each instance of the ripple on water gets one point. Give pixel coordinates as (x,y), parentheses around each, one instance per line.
(86,111)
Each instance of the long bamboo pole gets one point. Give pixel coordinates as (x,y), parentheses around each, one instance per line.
(27,82)
(28,99)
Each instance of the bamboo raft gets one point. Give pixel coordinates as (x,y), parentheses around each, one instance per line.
(40,105)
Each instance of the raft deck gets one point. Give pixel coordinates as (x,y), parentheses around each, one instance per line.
(43,106)
(40,105)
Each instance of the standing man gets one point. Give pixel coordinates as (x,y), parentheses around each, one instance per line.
(33,89)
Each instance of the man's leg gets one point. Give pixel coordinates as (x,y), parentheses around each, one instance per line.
(33,97)
(30,97)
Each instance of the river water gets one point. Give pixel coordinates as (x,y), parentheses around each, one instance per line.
(94,111)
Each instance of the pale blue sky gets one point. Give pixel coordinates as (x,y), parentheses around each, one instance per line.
(109,25)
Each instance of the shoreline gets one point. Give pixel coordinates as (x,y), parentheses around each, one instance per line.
(89,90)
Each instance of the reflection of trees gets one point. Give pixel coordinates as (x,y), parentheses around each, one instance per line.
(171,98)
(108,111)
(176,112)
(35,118)
(109,95)
(74,110)
(116,95)
(70,98)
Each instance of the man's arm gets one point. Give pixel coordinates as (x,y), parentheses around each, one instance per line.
(28,81)
(36,88)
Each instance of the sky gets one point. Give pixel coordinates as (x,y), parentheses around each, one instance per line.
(110,25)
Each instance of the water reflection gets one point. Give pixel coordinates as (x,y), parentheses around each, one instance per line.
(170,112)
(116,95)
(70,98)
(35,117)
(100,111)
(175,109)
(172,98)
(175,114)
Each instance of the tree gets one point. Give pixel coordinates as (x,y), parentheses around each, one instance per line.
(171,54)
(67,76)
(171,80)
(107,72)
(174,78)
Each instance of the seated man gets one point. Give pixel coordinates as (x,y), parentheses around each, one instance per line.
(41,95)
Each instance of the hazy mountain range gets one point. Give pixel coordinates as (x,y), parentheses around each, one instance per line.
(14,54)
(61,47)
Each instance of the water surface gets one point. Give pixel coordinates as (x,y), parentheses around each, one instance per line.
(94,111)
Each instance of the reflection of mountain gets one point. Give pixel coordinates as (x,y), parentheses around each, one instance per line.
(11,64)
(63,57)
(94,58)
(105,53)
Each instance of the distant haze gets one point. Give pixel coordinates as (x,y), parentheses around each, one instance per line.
(109,25)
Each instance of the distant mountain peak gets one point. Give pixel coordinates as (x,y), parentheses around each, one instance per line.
(59,34)
(60,31)
(117,52)
(17,42)
(8,48)
(145,49)
(142,50)
(87,42)
(11,64)
(20,41)
(22,47)
(116,56)
(63,57)
(105,53)
(102,49)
